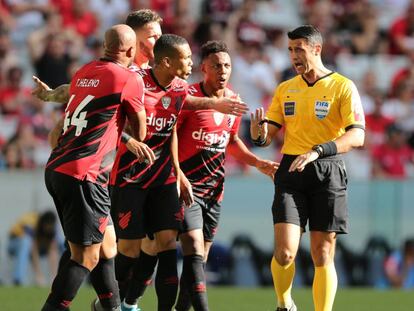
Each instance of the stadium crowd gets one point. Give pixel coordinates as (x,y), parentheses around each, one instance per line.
(370,41)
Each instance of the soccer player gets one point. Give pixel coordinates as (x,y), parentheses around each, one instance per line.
(203,137)
(145,198)
(323,117)
(102,94)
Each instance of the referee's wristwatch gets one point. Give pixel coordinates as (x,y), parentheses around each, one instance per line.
(318,149)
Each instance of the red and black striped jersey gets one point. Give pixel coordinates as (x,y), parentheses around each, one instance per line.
(203,136)
(163,107)
(102,93)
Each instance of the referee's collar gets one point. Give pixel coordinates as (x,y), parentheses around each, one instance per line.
(312,84)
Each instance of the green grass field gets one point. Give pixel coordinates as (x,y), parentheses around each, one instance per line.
(227,299)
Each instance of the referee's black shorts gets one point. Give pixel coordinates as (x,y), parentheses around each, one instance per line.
(317,194)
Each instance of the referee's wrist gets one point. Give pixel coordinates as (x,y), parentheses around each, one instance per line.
(326,149)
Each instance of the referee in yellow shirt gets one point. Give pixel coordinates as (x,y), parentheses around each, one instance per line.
(322,115)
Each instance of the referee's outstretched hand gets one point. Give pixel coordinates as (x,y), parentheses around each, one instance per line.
(258,126)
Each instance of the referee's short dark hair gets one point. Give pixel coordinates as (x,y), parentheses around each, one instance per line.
(308,32)
(166,46)
(212,47)
(137,19)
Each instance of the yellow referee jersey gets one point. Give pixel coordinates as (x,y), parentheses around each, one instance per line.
(315,114)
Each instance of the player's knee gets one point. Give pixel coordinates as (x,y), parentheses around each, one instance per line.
(129,248)
(192,243)
(321,255)
(108,251)
(88,260)
(284,256)
(149,247)
(166,240)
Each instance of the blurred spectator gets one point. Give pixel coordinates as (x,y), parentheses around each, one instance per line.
(14,96)
(6,19)
(404,75)
(52,50)
(24,145)
(402,32)
(34,236)
(401,108)
(390,159)
(376,123)
(11,158)
(217,10)
(81,19)
(8,56)
(366,36)
(399,266)
(28,15)
(109,12)
(368,90)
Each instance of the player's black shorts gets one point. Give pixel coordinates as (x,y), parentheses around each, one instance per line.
(139,212)
(202,215)
(82,206)
(317,194)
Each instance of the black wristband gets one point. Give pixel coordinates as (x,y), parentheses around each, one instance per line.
(326,149)
(259,141)
(125,137)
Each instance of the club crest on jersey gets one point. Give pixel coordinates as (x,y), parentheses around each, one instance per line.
(218,118)
(166,101)
(289,108)
(321,109)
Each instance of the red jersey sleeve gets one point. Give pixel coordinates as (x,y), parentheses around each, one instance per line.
(132,96)
(236,125)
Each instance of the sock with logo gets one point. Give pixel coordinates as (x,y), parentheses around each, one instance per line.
(123,272)
(166,281)
(65,286)
(104,282)
(141,277)
(195,280)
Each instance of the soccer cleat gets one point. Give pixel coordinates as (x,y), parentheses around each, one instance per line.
(131,308)
(292,308)
(96,306)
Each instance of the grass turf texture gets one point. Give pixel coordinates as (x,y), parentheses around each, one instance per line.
(226,299)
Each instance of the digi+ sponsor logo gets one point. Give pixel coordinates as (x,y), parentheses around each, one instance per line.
(161,123)
(219,140)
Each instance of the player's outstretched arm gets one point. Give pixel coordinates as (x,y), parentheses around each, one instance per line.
(224,105)
(240,151)
(45,93)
